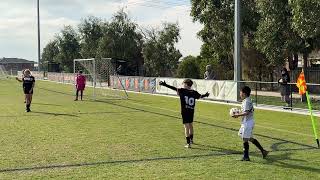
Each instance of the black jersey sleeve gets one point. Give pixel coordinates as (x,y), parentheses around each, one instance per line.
(163,83)
(204,95)
(197,95)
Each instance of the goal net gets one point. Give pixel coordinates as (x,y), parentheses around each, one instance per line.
(98,73)
(3,72)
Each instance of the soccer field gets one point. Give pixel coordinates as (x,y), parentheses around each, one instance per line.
(142,138)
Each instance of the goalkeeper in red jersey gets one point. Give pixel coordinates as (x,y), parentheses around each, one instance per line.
(188,101)
(80,85)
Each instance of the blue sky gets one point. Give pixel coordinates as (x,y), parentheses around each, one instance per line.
(18,28)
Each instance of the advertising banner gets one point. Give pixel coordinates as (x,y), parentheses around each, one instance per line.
(134,83)
(219,90)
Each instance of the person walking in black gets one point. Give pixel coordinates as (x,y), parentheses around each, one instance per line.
(285,87)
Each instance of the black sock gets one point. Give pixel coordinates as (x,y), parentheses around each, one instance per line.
(77,94)
(246,150)
(191,137)
(188,140)
(27,106)
(256,143)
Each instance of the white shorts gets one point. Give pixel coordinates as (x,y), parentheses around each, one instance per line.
(246,129)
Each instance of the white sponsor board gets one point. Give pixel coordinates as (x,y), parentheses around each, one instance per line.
(219,90)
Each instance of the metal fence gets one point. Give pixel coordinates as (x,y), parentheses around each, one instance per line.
(268,93)
(262,93)
(312,74)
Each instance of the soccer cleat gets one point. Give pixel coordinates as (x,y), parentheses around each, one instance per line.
(28,110)
(245,159)
(265,154)
(76,100)
(187,146)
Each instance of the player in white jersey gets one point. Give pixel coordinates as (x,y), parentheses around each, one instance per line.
(247,124)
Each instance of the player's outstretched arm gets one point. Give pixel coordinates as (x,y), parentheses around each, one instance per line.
(204,95)
(163,83)
(18,79)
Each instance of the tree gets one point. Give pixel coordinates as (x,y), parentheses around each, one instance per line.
(49,54)
(305,17)
(189,68)
(69,48)
(159,52)
(305,21)
(271,34)
(90,31)
(217,33)
(122,41)
(217,16)
(286,29)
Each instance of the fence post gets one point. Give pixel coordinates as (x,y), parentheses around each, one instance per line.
(291,97)
(256,94)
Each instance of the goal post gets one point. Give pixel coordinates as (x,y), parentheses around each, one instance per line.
(3,72)
(98,72)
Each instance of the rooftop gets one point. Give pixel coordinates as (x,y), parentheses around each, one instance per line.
(15,60)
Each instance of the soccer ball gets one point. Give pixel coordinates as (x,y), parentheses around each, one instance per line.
(280,80)
(234,111)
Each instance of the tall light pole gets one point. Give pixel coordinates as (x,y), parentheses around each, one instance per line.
(38,15)
(237,45)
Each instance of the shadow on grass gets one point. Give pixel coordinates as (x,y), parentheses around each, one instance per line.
(273,147)
(54,114)
(109,162)
(16,116)
(272,160)
(103,99)
(108,112)
(54,91)
(46,104)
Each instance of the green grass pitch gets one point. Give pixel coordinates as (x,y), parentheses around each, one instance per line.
(142,138)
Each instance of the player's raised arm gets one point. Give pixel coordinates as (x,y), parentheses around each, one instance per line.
(205,95)
(163,83)
(18,79)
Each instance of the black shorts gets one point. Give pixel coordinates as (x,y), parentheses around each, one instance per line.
(187,118)
(27,91)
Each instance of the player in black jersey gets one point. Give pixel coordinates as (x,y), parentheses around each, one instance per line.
(188,101)
(28,85)
(25,100)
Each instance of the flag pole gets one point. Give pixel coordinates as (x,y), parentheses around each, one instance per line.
(314,126)
(302,85)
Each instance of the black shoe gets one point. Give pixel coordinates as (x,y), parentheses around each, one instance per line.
(265,154)
(287,106)
(28,110)
(245,159)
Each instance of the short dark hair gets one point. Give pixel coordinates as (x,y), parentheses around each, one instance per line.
(80,72)
(284,69)
(246,90)
(188,82)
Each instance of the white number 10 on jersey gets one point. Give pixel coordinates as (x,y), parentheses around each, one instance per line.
(189,101)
